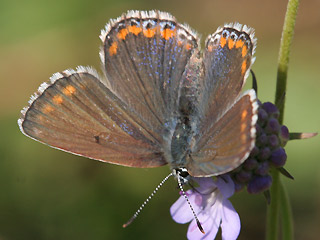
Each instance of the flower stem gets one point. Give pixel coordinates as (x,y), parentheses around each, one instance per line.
(278,193)
(273,208)
(286,41)
(287,223)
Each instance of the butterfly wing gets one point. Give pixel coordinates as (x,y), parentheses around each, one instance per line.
(122,119)
(77,113)
(227,121)
(231,139)
(145,55)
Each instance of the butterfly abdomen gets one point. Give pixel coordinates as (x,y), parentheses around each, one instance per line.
(187,110)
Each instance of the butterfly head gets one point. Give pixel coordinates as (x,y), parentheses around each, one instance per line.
(182,175)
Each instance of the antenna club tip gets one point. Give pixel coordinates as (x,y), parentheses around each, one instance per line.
(129,222)
(200,227)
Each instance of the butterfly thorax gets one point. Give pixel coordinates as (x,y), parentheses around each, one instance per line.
(187,121)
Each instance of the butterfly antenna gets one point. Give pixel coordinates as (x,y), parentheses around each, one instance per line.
(146,201)
(187,199)
(254,82)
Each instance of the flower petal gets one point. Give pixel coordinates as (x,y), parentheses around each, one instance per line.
(180,210)
(226,186)
(205,184)
(210,219)
(194,232)
(210,222)
(230,222)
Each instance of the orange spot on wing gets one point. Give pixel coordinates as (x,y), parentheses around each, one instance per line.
(113,49)
(243,138)
(47,109)
(122,34)
(239,43)
(69,90)
(243,127)
(223,41)
(135,30)
(244,67)
(188,46)
(57,99)
(210,48)
(244,114)
(244,51)
(168,33)
(230,43)
(149,33)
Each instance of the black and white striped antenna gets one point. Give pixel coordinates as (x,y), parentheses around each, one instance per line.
(146,201)
(187,199)
(176,173)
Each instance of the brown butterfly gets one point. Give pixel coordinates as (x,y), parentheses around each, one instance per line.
(159,100)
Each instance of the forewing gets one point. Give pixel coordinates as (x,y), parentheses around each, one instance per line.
(145,55)
(77,113)
(231,139)
(227,60)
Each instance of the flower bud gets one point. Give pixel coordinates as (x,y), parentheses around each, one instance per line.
(284,135)
(262,116)
(259,130)
(272,126)
(278,157)
(262,140)
(254,152)
(273,141)
(262,169)
(264,154)
(243,176)
(271,109)
(259,184)
(250,164)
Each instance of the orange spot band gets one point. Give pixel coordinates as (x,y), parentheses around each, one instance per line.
(243,127)
(244,114)
(48,109)
(188,46)
(135,30)
(57,99)
(244,51)
(168,33)
(244,67)
(243,138)
(149,33)
(230,43)
(69,90)
(223,41)
(239,43)
(122,34)
(113,49)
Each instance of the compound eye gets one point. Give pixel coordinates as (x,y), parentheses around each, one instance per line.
(184,173)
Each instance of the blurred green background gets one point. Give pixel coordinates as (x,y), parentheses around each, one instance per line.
(49,194)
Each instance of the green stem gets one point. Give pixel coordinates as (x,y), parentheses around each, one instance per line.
(287,222)
(277,190)
(273,208)
(284,52)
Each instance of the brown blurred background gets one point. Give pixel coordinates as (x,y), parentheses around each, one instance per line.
(48,194)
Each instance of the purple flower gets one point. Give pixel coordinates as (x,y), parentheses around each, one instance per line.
(211,204)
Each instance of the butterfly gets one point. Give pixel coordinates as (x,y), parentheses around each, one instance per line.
(159,100)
